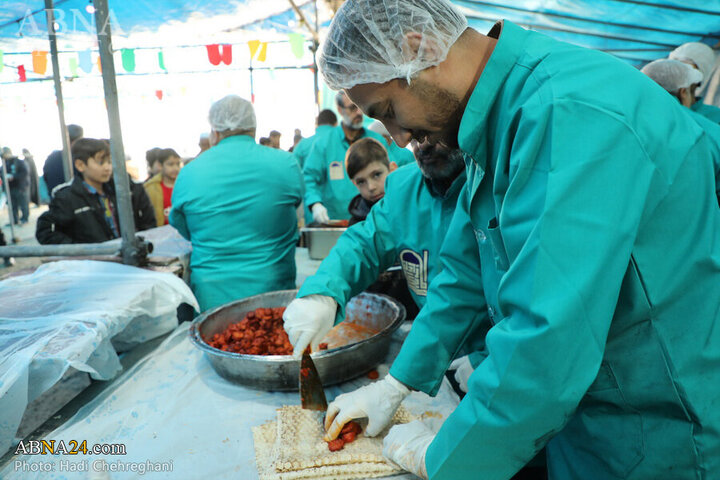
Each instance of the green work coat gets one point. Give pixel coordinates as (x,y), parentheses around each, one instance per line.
(236,203)
(304,146)
(326,180)
(587,234)
(711,112)
(401,156)
(408,224)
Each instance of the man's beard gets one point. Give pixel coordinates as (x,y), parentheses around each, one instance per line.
(444,168)
(353,125)
(443,109)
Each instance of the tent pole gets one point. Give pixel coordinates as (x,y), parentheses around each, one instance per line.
(315,67)
(133,250)
(66,157)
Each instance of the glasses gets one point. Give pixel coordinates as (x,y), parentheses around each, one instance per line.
(351,108)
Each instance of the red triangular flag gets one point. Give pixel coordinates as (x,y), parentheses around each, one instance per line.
(227,54)
(159,94)
(214,54)
(21,73)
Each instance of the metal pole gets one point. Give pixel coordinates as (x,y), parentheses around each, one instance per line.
(315,67)
(72,250)
(6,185)
(133,251)
(67,159)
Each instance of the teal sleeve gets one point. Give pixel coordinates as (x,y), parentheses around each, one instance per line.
(577,183)
(455,311)
(365,250)
(298,182)
(315,173)
(176,217)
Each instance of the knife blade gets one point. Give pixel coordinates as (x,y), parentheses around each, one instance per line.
(312,395)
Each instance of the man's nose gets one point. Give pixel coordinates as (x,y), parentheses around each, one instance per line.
(401,136)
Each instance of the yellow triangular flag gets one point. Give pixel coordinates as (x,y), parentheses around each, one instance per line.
(262,56)
(253,45)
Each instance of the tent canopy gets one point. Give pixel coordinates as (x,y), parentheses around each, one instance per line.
(637,31)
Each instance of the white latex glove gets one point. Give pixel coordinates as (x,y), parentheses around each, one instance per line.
(406,445)
(377,402)
(463,369)
(320,213)
(307,320)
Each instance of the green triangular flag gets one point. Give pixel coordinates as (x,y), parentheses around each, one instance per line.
(1,60)
(128,59)
(161,60)
(74,66)
(297,44)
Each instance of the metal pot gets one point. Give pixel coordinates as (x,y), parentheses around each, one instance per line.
(280,372)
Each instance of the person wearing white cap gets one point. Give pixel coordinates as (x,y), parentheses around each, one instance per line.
(236,203)
(702,58)
(586,236)
(680,80)
(402,156)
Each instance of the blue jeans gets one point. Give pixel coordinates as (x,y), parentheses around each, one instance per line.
(20,203)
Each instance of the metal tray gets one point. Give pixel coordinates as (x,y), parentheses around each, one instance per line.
(320,240)
(280,372)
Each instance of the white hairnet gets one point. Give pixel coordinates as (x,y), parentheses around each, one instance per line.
(367,40)
(672,75)
(378,127)
(232,113)
(697,53)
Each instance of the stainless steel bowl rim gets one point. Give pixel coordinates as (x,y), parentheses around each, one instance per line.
(196,338)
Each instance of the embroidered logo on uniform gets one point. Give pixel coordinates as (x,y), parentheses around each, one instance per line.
(337,171)
(415,268)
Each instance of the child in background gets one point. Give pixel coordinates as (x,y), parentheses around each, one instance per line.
(160,187)
(84,210)
(367,165)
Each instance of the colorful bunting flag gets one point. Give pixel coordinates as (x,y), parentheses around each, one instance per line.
(262,56)
(159,94)
(214,54)
(297,44)
(21,73)
(128,59)
(226,54)
(1,61)
(253,45)
(85,61)
(99,64)
(161,60)
(73,66)
(39,60)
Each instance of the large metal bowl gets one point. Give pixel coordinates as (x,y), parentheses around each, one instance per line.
(280,372)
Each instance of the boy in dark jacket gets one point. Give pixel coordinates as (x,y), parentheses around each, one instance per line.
(85,209)
(367,165)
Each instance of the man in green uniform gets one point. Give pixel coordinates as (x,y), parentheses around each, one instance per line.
(388,233)
(236,203)
(586,234)
(328,188)
(702,58)
(325,122)
(677,78)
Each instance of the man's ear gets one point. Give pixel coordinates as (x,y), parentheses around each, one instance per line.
(422,46)
(393,166)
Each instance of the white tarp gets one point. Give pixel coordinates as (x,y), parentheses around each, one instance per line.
(172,408)
(76,314)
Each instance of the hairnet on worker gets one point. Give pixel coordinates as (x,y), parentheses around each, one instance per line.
(375,41)
(672,75)
(232,113)
(698,53)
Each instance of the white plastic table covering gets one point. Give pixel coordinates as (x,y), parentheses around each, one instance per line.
(172,406)
(64,315)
